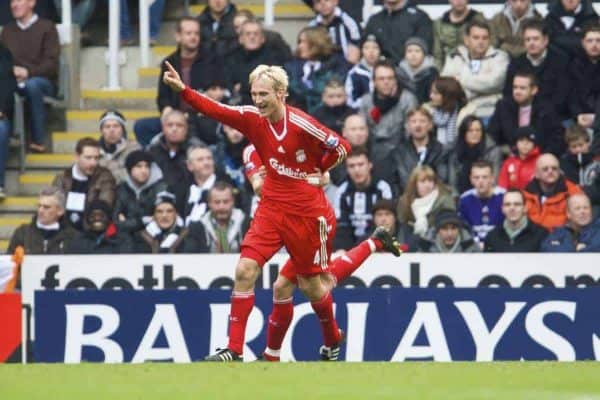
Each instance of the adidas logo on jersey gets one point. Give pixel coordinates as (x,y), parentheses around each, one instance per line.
(281,150)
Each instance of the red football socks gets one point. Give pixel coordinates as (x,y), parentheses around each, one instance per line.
(324,310)
(344,266)
(279,322)
(241,306)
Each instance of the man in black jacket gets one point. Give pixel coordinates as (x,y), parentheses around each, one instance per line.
(526,108)
(567,20)
(584,76)
(517,234)
(218,33)
(547,63)
(398,21)
(200,69)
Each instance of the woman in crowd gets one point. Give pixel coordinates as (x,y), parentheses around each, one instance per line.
(424,196)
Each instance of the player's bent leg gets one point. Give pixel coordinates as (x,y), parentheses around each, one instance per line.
(322,303)
(242,302)
(280,318)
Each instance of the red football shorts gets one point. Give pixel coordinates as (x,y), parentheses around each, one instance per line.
(308,240)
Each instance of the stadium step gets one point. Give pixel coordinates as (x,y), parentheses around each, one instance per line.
(8,224)
(49,161)
(18,204)
(87,120)
(64,142)
(142,99)
(282,10)
(4,245)
(148,77)
(30,183)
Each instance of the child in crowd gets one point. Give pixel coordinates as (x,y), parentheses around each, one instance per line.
(334,109)
(359,80)
(519,169)
(417,71)
(578,162)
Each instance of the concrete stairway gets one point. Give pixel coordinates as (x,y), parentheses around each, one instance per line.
(137,100)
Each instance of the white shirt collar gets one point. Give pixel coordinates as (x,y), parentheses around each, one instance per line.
(28,24)
(78,174)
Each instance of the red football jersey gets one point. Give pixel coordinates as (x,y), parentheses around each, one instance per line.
(291,149)
(252,161)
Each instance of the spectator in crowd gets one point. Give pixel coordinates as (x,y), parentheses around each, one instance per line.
(8,85)
(273,39)
(166,233)
(316,63)
(385,110)
(384,214)
(398,21)
(507,26)
(519,169)
(479,67)
(169,148)
(114,146)
(526,108)
(218,34)
(48,232)
(448,236)
(579,234)
(85,181)
(202,177)
(343,29)
(225,225)
(33,42)
(546,195)
(252,52)
(359,80)
(425,195)
(334,108)
(584,78)
(417,70)
(546,63)
(356,132)
(43,8)
(100,235)
(517,234)
(229,158)
(481,207)
(473,145)
(448,30)
(420,148)
(354,200)
(567,19)
(578,163)
(448,107)
(199,70)
(137,193)
(155,18)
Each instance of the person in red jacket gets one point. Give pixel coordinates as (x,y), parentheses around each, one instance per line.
(518,169)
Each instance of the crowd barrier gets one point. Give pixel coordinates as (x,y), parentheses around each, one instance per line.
(522,284)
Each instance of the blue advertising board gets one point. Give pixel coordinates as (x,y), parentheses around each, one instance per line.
(381,325)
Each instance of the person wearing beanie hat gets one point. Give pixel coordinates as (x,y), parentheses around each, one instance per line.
(384,214)
(525,108)
(359,80)
(417,70)
(166,233)
(518,169)
(136,194)
(448,236)
(100,234)
(114,146)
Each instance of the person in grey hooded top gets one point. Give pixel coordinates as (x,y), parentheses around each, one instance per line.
(137,193)
(417,71)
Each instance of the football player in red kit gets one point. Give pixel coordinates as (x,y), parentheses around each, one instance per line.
(293,211)
(283,288)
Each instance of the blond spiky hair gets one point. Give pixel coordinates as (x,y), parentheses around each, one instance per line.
(276,75)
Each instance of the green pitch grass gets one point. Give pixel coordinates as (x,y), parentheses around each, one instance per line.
(306,381)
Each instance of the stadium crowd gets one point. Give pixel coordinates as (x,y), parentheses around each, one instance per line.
(468,135)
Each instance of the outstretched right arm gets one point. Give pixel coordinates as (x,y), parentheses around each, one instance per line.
(236,117)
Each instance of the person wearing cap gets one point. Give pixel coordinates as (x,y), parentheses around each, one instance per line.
(417,70)
(526,108)
(479,67)
(519,169)
(399,20)
(448,29)
(100,235)
(137,192)
(166,233)
(85,181)
(359,80)
(547,193)
(517,234)
(507,25)
(343,29)
(448,236)
(384,214)
(114,146)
